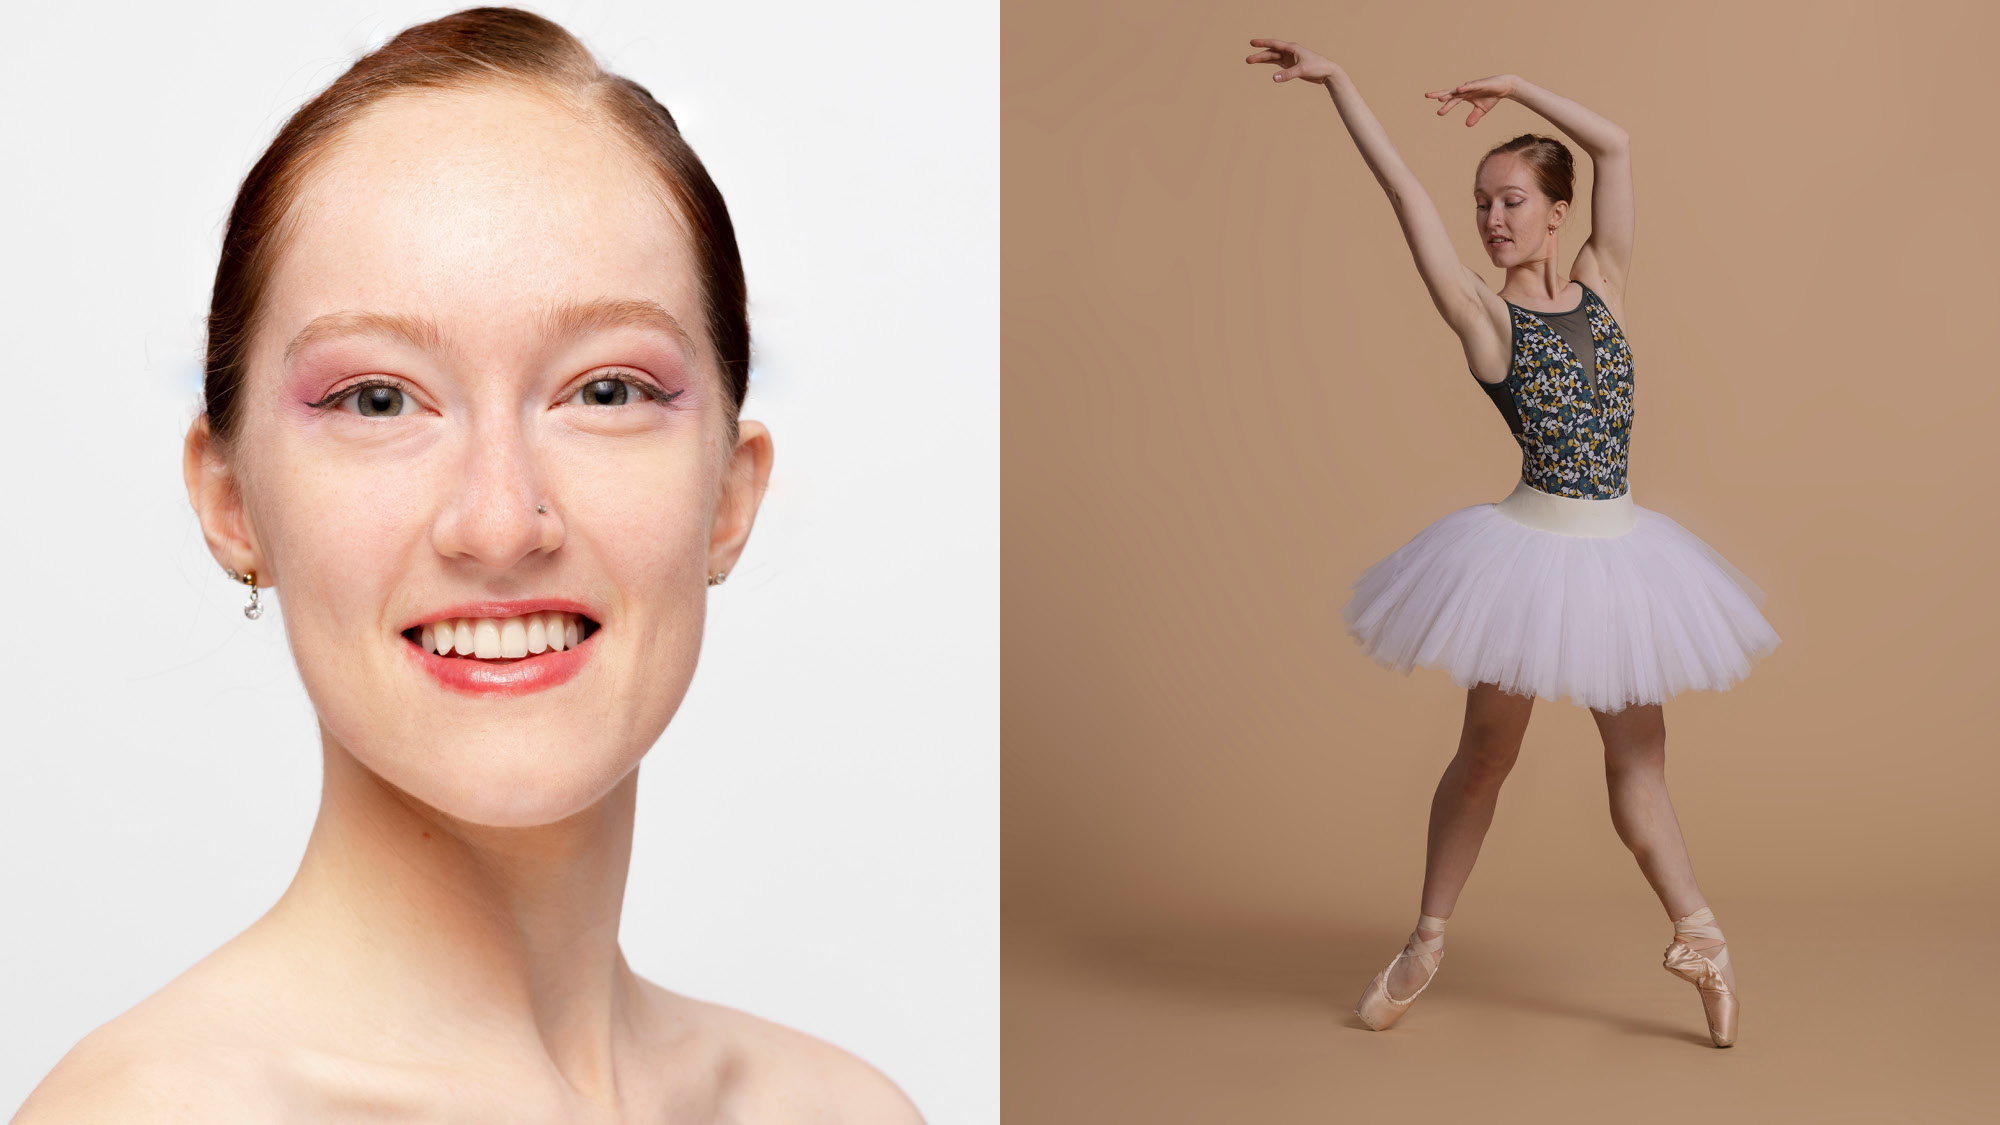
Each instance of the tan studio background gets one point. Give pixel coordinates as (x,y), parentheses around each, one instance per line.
(1227,393)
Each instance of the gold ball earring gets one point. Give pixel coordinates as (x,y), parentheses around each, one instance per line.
(251,609)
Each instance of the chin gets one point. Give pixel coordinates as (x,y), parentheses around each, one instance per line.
(503,762)
(534,794)
(509,781)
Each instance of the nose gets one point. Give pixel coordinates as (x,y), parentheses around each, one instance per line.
(489,513)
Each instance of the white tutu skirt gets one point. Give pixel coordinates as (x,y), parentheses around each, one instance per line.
(1602,601)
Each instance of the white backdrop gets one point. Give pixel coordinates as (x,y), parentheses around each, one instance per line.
(818,836)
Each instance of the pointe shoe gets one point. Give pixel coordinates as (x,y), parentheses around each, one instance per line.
(1377,1008)
(1695,932)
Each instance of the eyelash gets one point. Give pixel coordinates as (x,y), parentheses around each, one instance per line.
(643,386)
(343,394)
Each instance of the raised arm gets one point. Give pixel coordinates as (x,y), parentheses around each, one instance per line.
(1605,259)
(1459,293)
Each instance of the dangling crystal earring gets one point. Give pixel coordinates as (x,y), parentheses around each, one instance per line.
(251,609)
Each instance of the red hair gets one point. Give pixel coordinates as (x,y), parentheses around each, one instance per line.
(1547,158)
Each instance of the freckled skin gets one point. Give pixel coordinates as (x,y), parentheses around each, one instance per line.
(449,947)
(367,523)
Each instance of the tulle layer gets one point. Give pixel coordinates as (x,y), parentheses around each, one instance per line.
(1607,621)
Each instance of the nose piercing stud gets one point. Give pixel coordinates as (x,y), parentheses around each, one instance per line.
(251,609)
(542,508)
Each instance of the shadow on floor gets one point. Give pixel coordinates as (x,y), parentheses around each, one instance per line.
(1327,969)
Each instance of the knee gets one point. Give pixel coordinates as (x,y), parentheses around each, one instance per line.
(1486,757)
(1646,754)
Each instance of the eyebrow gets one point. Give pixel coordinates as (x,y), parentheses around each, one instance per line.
(567,321)
(412,330)
(562,322)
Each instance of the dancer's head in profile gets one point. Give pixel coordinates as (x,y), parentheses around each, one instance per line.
(477,351)
(1521,195)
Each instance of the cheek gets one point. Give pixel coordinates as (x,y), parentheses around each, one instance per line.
(641,517)
(641,520)
(338,532)
(641,508)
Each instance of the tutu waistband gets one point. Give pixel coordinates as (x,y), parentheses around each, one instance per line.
(1569,515)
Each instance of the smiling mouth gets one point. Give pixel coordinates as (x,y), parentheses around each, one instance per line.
(502,640)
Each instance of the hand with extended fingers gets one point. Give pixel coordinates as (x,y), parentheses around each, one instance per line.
(1294,61)
(1483,93)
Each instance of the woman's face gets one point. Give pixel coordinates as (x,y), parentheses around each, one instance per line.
(485,308)
(1515,219)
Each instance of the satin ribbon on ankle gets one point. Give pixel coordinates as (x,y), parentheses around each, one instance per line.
(1424,948)
(1424,951)
(1695,932)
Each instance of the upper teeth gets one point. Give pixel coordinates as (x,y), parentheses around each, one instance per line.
(490,638)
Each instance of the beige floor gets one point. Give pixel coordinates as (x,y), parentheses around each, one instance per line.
(1254,1024)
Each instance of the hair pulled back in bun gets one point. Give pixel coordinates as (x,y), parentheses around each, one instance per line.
(1549,158)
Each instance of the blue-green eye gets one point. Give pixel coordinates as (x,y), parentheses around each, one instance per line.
(618,390)
(370,400)
(604,392)
(379,402)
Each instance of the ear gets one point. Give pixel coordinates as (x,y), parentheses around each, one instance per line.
(1558,211)
(743,482)
(218,504)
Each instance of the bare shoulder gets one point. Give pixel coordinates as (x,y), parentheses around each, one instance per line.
(146,1066)
(778,1074)
(1608,289)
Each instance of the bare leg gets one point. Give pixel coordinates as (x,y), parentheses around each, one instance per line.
(1635,772)
(1462,808)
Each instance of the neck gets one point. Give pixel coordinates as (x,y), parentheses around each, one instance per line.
(1539,279)
(504,936)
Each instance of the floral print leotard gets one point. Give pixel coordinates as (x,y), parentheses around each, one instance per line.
(1573,429)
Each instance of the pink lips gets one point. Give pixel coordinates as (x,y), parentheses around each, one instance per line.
(522,676)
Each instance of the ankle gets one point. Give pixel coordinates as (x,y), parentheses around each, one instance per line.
(1700,915)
